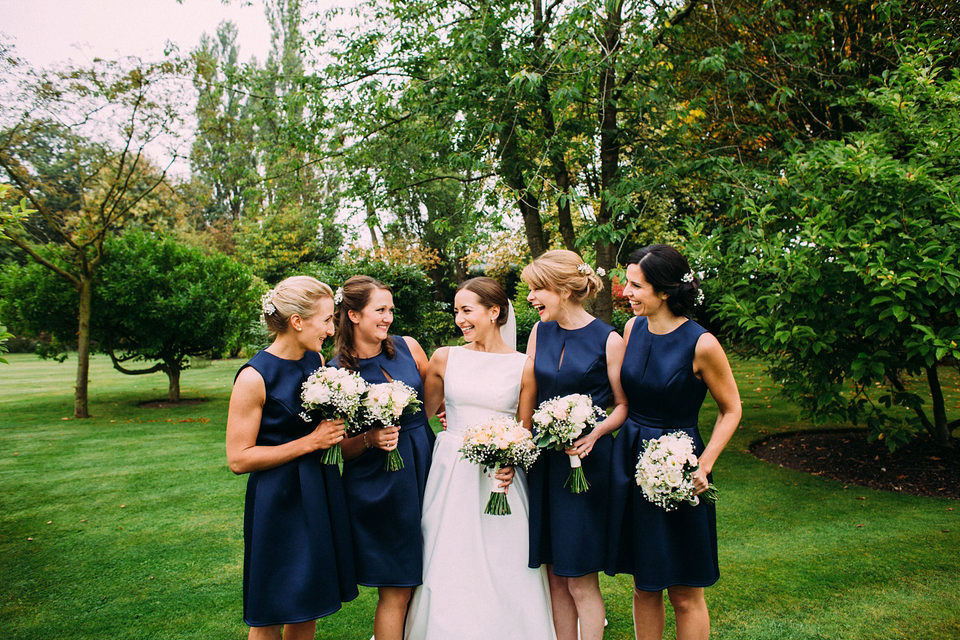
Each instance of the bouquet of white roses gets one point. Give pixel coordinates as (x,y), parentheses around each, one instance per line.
(383,404)
(665,472)
(332,393)
(499,442)
(558,423)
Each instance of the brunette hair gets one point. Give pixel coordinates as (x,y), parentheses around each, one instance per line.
(668,272)
(355,296)
(491,295)
(562,270)
(294,295)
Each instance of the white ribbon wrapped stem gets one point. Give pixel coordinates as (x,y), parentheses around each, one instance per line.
(575,461)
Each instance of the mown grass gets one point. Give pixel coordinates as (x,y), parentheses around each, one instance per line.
(128,525)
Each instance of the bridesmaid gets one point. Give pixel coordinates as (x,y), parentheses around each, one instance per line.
(384,505)
(670,364)
(298,558)
(573,352)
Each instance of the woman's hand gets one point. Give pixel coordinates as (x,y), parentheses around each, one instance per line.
(582,447)
(442,417)
(328,433)
(386,438)
(700,482)
(505,476)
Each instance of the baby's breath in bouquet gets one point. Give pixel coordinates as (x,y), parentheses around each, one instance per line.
(499,442)
(331,393)
(558,423)
(665,472)
(383,404)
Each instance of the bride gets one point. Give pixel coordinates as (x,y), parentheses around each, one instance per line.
(476,583)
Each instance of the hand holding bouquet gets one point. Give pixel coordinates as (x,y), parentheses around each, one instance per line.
(383,404)
(559,422)
(334,393)
(499,442)
(665,472)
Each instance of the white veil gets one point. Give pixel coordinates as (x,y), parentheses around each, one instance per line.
(509,330)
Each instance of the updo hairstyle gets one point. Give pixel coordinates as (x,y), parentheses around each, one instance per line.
(561,270)
(491,295)
(296,295)
(664,268)
(356,292)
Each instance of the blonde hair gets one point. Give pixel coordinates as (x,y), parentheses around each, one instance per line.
(294,295)
(561,270)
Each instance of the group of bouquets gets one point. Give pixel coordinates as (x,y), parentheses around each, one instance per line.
(665,471)
(495,443)
(330,393)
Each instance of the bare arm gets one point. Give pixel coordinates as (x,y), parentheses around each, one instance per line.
(711,365)
(614,348)
(433,383)
(243,424)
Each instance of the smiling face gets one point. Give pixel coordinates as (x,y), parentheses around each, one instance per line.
(549,304)
(316,328)
(373,321)
(644,301)
(474,320)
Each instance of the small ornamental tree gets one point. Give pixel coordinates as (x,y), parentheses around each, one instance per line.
(162,302)
(844,275)
(157,302)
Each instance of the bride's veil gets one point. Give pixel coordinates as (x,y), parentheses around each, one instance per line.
(509,330)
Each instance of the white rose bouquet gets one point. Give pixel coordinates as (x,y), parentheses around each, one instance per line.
(383,404)
(665,472)
(558,423)
(330,393)
(499,442)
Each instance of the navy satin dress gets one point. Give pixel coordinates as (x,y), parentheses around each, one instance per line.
(298,557)
(659,548)
(568,530)
(385,505)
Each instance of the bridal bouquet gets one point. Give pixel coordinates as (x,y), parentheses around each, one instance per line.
(383,404)
(332,393)
(665,472)
(499,442)
(559,421)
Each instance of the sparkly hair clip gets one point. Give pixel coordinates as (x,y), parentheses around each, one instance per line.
(338,295)
(584,269)
(266,303)
(687,277)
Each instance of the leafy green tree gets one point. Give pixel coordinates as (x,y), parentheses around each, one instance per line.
(843,272)
(158,302)
(94,178)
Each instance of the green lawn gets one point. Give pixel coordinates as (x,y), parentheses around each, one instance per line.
(128,525)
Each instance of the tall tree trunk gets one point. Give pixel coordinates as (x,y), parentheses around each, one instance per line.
(609,146)
(941,431)
(80,402)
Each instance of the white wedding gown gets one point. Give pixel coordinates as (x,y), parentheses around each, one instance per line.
(476,583)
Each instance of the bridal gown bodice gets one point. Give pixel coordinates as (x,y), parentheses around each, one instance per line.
(476,583)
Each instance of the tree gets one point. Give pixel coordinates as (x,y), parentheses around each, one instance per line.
(843,272)
(158,302)
(85,189)
(162,302)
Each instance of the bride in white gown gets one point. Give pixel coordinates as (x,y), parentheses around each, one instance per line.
(476,583)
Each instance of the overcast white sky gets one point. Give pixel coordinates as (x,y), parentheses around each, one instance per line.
(46,32)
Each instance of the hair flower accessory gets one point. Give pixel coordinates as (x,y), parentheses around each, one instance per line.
(338,296)
(266,302)
(601,271)
(687,277)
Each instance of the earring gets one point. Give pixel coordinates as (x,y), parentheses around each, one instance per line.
(492,320)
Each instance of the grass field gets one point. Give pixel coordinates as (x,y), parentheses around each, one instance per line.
(128,525)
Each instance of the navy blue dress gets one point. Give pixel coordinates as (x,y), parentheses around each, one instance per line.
(298,558)
(384,505)
(659,548)
(568,530)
